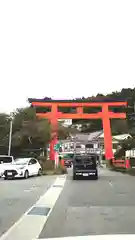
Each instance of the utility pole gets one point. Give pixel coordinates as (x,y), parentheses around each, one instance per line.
(10,135)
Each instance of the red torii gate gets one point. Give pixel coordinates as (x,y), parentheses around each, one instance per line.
(54,115)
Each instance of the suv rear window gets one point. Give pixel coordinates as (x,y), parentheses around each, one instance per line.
(5,160)
(89,146)
(86,159)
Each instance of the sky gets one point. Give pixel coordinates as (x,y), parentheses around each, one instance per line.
(65,49)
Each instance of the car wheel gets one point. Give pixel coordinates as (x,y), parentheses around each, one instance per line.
(5,178)
(40,172)
(96,176)
(26,174)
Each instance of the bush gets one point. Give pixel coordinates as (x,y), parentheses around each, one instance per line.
(46,164)
(60,171)
(42,159)
(48,167)
(119,169)
(109,164)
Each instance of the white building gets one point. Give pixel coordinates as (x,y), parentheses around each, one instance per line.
(66,122)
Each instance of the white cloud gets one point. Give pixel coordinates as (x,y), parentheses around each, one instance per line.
(65,48)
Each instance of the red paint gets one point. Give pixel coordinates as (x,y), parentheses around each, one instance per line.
(105,115)
(54,130)
(107,133)
(127,163)
(52,151)
(119,161)
(122,163)
(62,163)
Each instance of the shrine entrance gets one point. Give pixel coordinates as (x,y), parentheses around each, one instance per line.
(54,114)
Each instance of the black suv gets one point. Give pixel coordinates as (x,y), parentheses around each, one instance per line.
(85,165)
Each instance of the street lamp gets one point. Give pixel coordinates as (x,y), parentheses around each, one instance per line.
(10,134)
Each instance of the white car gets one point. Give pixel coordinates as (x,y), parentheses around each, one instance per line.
(22,168)
(5,161)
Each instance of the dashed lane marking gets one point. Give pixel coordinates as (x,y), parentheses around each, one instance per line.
(110,183)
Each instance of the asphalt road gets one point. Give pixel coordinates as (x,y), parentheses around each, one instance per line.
(87,207)
(17,196)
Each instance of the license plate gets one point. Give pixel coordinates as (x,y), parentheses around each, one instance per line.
(9,174)
(85,174)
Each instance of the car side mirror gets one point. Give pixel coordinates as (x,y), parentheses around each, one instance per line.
(30,163)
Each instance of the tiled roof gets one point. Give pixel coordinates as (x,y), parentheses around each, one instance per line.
(81,136)
(122,136)
(118,137)
(94,135)
(88,136)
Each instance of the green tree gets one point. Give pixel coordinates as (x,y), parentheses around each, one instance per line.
(4,133)
(127,144)
(29,132)
(119,126)
(63,132)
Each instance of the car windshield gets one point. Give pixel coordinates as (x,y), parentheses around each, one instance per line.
(5,159)
(21,161)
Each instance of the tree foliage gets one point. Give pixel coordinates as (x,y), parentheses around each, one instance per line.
(28,131)
(118,125)
(125,145)
(4,131)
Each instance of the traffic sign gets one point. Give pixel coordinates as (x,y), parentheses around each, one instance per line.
(57,147)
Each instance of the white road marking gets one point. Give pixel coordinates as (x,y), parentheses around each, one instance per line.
(28,227)
(110,183)
(95,237)
(27,190)
(30,189)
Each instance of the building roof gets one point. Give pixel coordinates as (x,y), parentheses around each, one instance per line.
(94,135)
(88,136)
(122,136)
(118,137)
(81,137)
(97,136)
